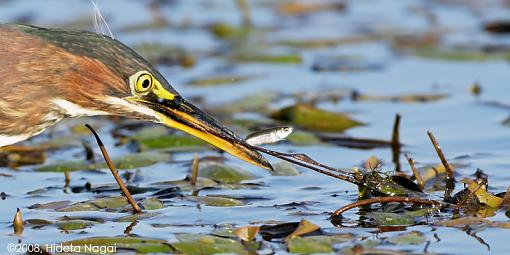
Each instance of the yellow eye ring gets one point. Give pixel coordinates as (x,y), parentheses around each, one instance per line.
(144,83)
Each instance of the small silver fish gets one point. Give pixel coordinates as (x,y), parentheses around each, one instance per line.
(270,135)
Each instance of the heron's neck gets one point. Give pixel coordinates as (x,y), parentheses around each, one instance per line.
(71,109)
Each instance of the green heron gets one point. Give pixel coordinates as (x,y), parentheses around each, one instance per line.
(47,75)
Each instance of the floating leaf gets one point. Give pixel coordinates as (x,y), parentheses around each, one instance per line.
(61,142)
(316,244)
(309,245)
(410,98)
(206,244)
(311,118)
(129,161)
(276,59)
(136,217)
(153,131)
(185,185)
(258,102)
(38,222)
(303,138)
(458,53)
(247,233)
(96,205)
(174,142)
(216,200)
(344,64)
(329,42)
(222,173)
(304,227)
(69,225)
(137,160)
(391,219)
(270,232)
(413,237)
(226,31)
(51,205)
(464,221)
(219,80)
(284,168)
(152,204)
(484,196)
(141,245)
(434,171)
(68,166)
(301,8)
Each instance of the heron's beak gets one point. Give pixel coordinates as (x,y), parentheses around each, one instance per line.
(180,114)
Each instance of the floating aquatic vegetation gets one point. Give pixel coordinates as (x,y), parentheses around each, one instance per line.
(409,98)
(207,244)
(172,143)
(301,8)
(457,53)
(257,102)
(304,227)
(219,80)
(317,244)
(215,201)
(284,168)
(69,225)
(329,42)
(136,217)
(311,118)
(129,161)
(248,233)
(304,138)
(226,31)
(136,244)
(345,64)
(222,173)
(413,237)
(267,58)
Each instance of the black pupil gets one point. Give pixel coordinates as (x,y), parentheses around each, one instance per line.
(146,83)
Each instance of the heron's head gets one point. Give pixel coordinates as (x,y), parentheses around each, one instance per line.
(100,75)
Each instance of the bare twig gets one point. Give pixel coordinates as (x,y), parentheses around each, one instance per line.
(416,174)
(301,157)
(194,170)
(471,192)
(450,179)
(374,200)
(449,170)
(115,174)
(395,142)
(245,12)
(305,161)
(67,179)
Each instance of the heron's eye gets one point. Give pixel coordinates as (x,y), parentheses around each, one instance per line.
(143,83)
